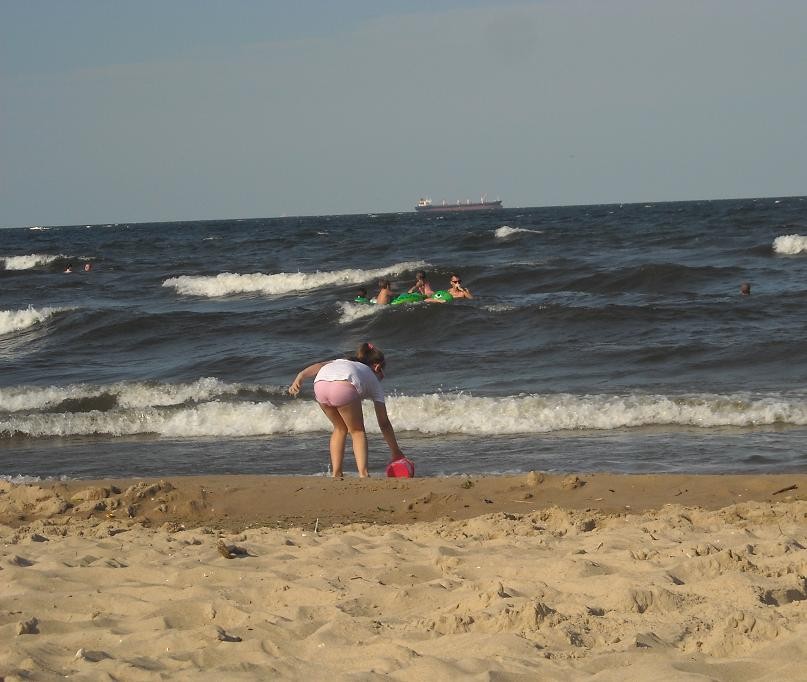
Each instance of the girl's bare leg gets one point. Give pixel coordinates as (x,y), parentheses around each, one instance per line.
(353,418)
(338,437)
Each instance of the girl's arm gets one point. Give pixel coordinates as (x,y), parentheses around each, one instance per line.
(307,373)
(386,429)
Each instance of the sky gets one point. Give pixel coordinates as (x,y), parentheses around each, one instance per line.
(160,110)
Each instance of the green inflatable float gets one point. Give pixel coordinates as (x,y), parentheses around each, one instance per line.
(407,298)
(441,295)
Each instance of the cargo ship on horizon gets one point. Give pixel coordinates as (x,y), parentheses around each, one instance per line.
(426,206)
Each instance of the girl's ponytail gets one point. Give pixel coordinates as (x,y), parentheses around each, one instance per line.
(369,355)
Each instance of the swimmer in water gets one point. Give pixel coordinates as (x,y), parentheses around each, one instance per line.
(384,294)
(421,286)
(456,289)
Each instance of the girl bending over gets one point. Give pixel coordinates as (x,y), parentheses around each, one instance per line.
(339,387)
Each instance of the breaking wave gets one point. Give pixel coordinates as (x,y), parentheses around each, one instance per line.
(27,262)
(507,231)
(128,395)
(146,410)
(350,312)
(790,244)
(17,320)
(227,283)
(462,414)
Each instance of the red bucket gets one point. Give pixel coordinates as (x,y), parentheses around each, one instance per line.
(401,468)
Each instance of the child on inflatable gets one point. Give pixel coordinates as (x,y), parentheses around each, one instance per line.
(421,286)
(455,290)
(384,294)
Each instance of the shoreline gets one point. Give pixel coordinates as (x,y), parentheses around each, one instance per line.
(234,502)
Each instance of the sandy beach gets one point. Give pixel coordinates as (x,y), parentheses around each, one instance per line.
(575,577)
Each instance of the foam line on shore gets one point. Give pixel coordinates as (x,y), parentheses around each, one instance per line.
(192,411)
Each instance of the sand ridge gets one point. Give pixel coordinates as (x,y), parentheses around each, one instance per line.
(235,502)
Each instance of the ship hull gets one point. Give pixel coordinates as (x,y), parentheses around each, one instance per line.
(457,208)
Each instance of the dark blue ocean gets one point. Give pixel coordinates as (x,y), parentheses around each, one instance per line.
(600,338)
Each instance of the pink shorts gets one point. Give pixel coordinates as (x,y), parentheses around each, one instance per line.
(335,393)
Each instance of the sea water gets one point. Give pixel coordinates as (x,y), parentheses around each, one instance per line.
(609,338)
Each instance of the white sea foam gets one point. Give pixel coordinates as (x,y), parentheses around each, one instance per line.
(790,244)
(131,395)
(216,418)
(21,479)
(20,398)
(507,231)
(350,312)
(27,262)
(228,283)
(138,395)
(436,414)
(17,320)
(561,412)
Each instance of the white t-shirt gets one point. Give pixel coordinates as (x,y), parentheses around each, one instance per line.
(357,373)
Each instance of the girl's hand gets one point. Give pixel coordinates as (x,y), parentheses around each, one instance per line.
(307,373)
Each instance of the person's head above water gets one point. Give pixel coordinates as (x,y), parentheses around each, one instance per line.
(384,283)
(362,292)
(745,289)
(420,275)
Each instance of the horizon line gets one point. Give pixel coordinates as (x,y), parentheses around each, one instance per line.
(379,213)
